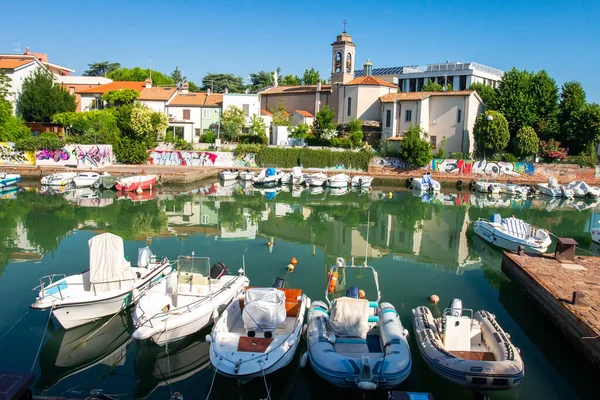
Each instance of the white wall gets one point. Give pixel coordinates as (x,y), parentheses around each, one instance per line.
(388,132)
(189,125)
(16,82)
(280,135)
(239,99)
(87,100)
(155,105)
(408,105)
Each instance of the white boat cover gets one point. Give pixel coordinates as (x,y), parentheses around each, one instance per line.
(144,256)
(264,309)
(348,317)
(515,226)
(108,265)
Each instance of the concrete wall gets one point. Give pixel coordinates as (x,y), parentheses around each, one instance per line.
(200,158)
(364,104)
(10,156)
(415,107)
(443,121)
(155,105)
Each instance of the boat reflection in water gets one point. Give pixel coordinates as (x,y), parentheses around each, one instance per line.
(71,351)
(157,366)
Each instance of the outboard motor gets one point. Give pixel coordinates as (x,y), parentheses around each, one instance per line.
(455,307)
(278,283)
(352,292)
(218,270)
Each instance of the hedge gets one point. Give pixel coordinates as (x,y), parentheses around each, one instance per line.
(307,158)
(253,139)
(582,161)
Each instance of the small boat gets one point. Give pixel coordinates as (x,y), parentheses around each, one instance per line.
(514,190)
(510,233)
(134,183)
(106,182)
(316,179)
(106,288)
(228,175)
(186,301)
(582,189)
(86,179)
(487,187)
(362,181)
(425,183)
(338,181)
(296,177)
(268,176)
(9,179)
(58,179)
(354,342)
(247,176)
(466,348)
(553,189)
(335,191)
(259,332)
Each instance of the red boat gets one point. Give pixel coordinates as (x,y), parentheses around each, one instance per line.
(133,183)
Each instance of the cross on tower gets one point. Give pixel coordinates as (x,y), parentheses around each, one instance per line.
(345,25)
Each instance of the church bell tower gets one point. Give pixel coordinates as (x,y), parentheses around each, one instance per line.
(342,59)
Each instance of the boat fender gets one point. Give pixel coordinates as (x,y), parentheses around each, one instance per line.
(138,274)
(208,339)
(304,329)
(167,271)
(304,360)
(490,188)
(411,179)
(456,307)
(367,386)
(411,187)
(459,182)
(268,335)
(471,184)
(251,333)
(215,314)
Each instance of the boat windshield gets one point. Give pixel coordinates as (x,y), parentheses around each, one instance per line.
(194,265)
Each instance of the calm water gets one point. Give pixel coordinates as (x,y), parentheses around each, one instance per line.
(419,245)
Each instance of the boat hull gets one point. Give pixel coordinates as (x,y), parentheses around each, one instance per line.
(500,239)
(134,186)
(9,180)
(79,182)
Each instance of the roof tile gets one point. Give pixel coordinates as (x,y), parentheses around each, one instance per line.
(197,100)
(116,85)
(304,113)
(12,63)
(370,80)
(412,96)
(296,89)
(157,93)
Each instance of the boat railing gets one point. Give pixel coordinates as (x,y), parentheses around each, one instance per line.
(341,264)
(48,281)
(460,311)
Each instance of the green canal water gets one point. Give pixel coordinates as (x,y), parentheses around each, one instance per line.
(418,245)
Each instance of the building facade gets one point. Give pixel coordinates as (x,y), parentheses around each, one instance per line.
(459,75)
(193,114)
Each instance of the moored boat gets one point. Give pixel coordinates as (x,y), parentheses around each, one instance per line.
(58,179)
(106,288)
(362,181)
(9,179)
(553,189)
(295,177)
(582,189)
(259,332)
(425,183)
(315,179)
(268,176)
(483,186)
(247,176)
(86,179)
(510,233)
(338,181)
(134,183)
(466,348)
(228,175)
(514,190)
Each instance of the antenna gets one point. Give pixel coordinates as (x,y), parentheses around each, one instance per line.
(18,47)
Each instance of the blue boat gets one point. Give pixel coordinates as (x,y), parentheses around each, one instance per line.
(9,179)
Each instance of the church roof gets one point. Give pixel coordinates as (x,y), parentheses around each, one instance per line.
(371,81)
(295,89)
(380,71)
(412,96)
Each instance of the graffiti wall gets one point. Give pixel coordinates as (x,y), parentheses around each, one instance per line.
(201,158)
(10,156)
(77,155)
(389,162)
(483,167)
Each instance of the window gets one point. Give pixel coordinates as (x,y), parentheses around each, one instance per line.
(204,218)
(408,115)
(388,118)
(176,131)
(246,108)
(458,116)
(186,114)
(349,106)
(433,141)
(197,132)
(206,113)
(348,63)
(338,62)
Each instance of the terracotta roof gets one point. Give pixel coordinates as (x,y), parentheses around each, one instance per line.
(197,100)
(396,138)
(370,80)
(265,112)
(392,97)
(41,56)
(296,89)
(157,93)
(304,113)
(12,63)
(116,85)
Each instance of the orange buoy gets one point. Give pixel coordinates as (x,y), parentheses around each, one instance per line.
(361,294)
(434,298)
(332,278)
(294,261)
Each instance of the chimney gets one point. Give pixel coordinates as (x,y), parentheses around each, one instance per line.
(319,85)
(226,90)
(148,83)
(185,88)
(208,92)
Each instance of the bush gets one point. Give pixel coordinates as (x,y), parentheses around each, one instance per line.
(307,158)
(582,160)
(345,143)
(509,157)
(460,156)
(243,149)
(552,152)
(526,142)
(47,140)
(415,148)
(129,151)
(300,132)
(253,139)
(315,141)
(208,137)
(491,132)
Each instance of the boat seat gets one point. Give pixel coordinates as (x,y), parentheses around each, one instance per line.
(253,344)
(474,355)
(293,302)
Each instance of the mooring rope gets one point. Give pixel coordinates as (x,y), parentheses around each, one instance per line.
(261,362)
(42,341)
(578,248)
(211,385)
(15,324)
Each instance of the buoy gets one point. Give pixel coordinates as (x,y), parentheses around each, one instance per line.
(290,268)
(390,195)
(269,243)
(434,298)
(139,190)
(303,360)
(361,294)
(294,261)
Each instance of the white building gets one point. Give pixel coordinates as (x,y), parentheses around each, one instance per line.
(459,75)
(158,97)
(444,115)
(247,102)
(194,114)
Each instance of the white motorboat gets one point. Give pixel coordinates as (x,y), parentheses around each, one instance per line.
(354,342)
(362,181)
(228,175)
(296,177)
(338,181)
(487,187)
(514,190)
(316,179)
(9,179)
(268,176)
(338,191)
(109,286)
(259,332)
(58,179)
(468,349)
(582,189)
(553,189)
(425,183)
(86,179)
(510,233)
(247,176)
(186,301)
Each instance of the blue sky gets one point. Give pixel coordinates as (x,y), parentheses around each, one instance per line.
(562,37)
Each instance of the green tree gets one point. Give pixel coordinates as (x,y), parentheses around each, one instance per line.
(355,132)
(11,128)
(232,122)
(280,116)
(219,82)
(4,85)
(177,76)
(572,102)
(257,126)
(324,125)
(192,87)
(491,132)
(40,99)
(101,68)
(487,94)
(515,100)
(589,126)
(138,74)
(545,94)
(415,148)
(96,126)
(147,125)
(121,97)
(300,132)
(310,77)
(290,80)
(261,79)
(526,142)
(432,86)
